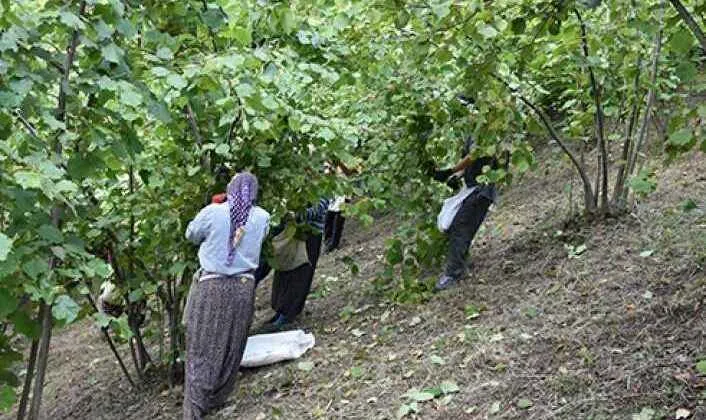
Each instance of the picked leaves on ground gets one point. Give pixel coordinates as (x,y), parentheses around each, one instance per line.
(472,311)
(682,413)
(448,387)
(406,409)
(437,360)
(646,253)
(415,394)
(701,367)
(305,366)
(645,414)
(524,403)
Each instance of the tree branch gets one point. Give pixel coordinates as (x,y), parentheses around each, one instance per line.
(644,127)
(600,118)
(627,142)
(205,161)
(546,121)
(27,124)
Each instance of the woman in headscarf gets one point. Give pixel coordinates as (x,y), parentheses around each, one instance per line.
(221,303)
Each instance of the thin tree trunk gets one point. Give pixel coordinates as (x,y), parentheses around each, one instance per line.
(135,362)
(600,122)
(597,191)
(106,334)
(45,309)
(627,142)
(644,127)
(690,22)
(42,359)
(22,409)
(117,356)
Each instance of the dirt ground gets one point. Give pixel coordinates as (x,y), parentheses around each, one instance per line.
(612,332)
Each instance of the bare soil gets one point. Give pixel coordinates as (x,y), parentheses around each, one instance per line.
(606,334)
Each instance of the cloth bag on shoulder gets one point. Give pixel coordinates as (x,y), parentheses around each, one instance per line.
(289,252)
(450,208)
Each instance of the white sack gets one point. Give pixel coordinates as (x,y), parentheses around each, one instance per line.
(266,349)
(451,207)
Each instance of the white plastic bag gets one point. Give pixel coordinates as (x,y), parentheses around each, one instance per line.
(450,208)
(266,349)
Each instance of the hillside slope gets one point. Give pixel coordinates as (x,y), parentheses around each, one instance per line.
(611,332)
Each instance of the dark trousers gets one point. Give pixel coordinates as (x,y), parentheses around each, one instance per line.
(291,288)
(333,229)
(461,232)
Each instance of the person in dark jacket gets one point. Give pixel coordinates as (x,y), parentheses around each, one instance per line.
(291,288)
(470,216)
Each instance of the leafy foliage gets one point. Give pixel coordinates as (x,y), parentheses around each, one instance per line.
(119,119)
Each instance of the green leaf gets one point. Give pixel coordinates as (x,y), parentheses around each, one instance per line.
(59,252)
(7,397)
(682,41)
(643,183)
(420,396)
(65,309)
(404,410)
(437,360)
(71,20)
(8,303)
(305,366)
(242,35)
(494,408)
(448,387)
(131,97)
(647,253)
(269,103)
(97,268)
(213,18)
(222,149)
(701,367)
(472,311)
(287,21)
(136,295)
(35,268)
(686,71)
(102,320)
(402,19)
(164,53)
(356,372)
(5,246)
(262,124)
(50,233)
(244,90)
(524,403)
(24,324)
(28,180)
(646,414)
(176,81)
(327,134)
(441,9)
(103,30)
(112,53)
(487,31)
(518,25)
(681,137)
